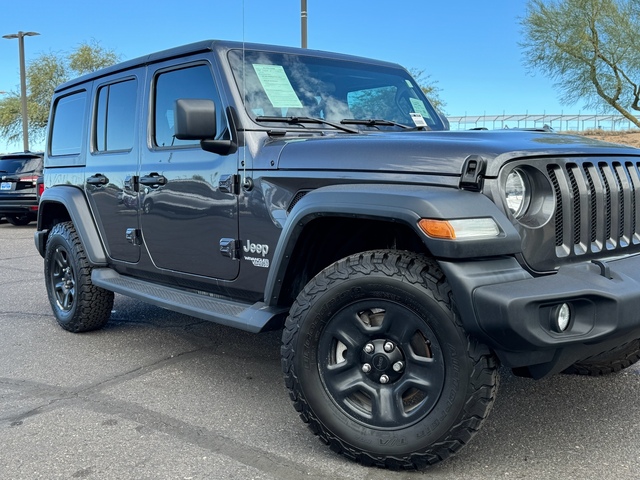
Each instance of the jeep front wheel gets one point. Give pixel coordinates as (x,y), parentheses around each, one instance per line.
(378,364)
(78,305)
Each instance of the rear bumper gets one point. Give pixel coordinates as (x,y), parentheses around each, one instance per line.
(513,312)
(18,206)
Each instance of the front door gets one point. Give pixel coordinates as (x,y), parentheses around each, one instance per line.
(184,214)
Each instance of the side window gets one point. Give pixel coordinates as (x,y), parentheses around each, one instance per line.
(115,116)
(191,82)
(68,121)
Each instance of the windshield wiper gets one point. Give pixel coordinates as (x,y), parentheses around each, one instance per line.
(374,122)
(301,120)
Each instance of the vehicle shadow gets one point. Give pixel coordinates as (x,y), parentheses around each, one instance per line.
(547,428)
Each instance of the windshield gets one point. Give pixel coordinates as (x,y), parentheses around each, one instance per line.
(296,87)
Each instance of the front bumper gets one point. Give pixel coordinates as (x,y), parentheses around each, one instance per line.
(511,311)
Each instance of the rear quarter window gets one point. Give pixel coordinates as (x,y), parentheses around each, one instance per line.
(68,121)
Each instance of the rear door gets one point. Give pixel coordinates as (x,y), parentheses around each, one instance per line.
(185,215)
(112,163)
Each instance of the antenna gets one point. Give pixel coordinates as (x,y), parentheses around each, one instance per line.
(244,96)
(303,23)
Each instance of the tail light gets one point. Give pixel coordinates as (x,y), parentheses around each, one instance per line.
(32,180)
(39,187)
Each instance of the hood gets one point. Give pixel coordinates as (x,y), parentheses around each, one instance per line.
(434,152)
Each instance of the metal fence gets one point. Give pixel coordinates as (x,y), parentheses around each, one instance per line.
(563,122)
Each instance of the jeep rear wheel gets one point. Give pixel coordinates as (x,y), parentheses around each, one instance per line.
(379,366)
(78,305)
(605,363)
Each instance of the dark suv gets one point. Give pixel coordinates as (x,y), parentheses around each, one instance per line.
(19,173)
(267,187)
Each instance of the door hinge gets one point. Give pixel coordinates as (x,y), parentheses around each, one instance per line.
(230,247)
(131,183)
(133,236)
(229,183)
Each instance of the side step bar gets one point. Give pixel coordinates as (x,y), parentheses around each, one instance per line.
(251,318)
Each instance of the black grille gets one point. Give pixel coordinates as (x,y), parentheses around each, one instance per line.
(596,207)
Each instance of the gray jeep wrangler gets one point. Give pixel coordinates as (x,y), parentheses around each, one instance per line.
(266,187)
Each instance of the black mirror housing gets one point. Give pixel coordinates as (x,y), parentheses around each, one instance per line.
(195,119)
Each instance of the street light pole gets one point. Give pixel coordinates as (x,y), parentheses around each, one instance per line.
(23,84)
(303,22)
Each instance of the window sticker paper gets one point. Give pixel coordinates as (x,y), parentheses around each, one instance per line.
(418,107)
(277,86)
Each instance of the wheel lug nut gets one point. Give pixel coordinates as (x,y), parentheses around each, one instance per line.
(369,348)
(366,368)
(384,379)
(389,346)
(398,366)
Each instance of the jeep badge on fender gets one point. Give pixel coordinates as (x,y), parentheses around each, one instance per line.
(256,248)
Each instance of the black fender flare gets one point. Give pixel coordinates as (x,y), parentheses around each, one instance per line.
(75,203)
(406,204)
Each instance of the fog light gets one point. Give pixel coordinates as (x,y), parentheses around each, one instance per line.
(562,318)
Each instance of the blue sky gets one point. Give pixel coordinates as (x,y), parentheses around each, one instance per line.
(469,47)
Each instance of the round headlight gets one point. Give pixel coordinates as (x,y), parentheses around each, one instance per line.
(517,192)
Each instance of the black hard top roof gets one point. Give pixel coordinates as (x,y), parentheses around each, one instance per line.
(205,46)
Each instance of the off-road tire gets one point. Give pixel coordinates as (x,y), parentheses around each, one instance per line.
(609,362)
(78,305)
(414,418)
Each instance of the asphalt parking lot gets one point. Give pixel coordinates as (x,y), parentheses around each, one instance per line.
(158,395)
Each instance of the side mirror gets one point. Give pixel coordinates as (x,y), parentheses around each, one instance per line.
(195,119)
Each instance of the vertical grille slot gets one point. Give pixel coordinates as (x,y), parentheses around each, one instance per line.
(621,202)
(592,205)
(603,167)
(634,187)
(575,191)
(551,171)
